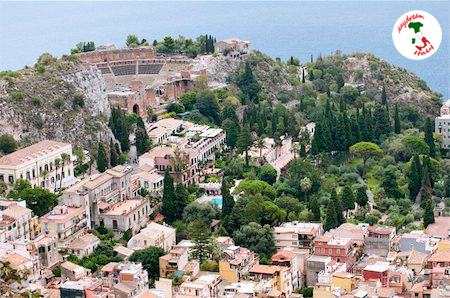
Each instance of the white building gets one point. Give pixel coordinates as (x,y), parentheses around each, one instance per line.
(154,235)
(36,163)
(16,221)
(235,45)
(443,125)
(84,246)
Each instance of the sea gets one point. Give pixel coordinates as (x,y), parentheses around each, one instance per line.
(277,28)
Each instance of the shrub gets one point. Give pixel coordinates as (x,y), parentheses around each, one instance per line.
(39,68)
(210,266)
(58,103)
(17,96)
(78,101)
(36,101)
(38,122)
(350,178)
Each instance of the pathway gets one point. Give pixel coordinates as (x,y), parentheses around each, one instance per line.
(368,191)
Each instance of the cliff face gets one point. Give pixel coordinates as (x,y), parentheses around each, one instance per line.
(36,106)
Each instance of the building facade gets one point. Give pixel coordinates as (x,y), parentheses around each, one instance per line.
(41,164)
(443,125)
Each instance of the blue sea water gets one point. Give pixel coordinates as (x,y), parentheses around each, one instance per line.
(280,29)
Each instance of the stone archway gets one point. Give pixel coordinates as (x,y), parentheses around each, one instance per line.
(136,109)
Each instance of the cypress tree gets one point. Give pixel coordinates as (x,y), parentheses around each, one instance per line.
(328,92)
(384,96)
(381,125)
(414,178)
(322,137)
(429,137)
(302,151)
(311,75)
(396,120)
(356,133)
(362,126)
(102,162)
(227,199)
(428,217)
(181,198)
(168,200)
(303,75)
(331,219)
(142,141)
(114,156)
(348,198)
(361,197)
(339,208)
(314,150)
(312,58)
(315,208)
(340,81)
(340,140)
(390,184)
(348,131)
(244,142)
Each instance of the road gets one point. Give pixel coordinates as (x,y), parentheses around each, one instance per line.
(368,191)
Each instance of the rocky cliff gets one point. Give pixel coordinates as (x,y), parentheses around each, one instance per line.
(64,101)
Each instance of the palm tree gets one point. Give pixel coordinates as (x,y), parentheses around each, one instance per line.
(57,163)
(278,144)
(295,149)
(179,162)
(65,158)
(215,250)
(305,185)
(260,144)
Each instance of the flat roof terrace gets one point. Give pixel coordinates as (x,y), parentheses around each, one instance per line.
(124,207)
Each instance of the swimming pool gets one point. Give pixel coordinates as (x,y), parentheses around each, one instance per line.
(217,201)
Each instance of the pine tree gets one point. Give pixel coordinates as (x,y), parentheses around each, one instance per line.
(102,162)
(168,200)
(396,120)
(227,199)
(414,178)
(361,197)
(339,208)
(429,137)
(331,220)
(113,155)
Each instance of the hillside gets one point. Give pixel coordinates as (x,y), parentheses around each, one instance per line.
(61,100)
(283,82)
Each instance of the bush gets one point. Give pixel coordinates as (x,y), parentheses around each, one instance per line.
(7,144)
(78,101)
(387,160)
(350,178)
(17,96)
(36,101)
(306,292)
(210,266)
(58,103)
(39,68)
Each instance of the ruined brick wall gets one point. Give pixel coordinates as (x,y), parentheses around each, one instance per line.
(117,55)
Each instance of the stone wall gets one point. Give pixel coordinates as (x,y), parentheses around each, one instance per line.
(95,57)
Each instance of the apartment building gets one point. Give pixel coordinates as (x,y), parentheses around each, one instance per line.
(154,235)
(161,130)
(16,221)
(380,240)
(297,234)
(289,260)
(38,164)
(279,276)
(98,191)
(85,287)
(206,286)
(125,279)
(443,124)
(130,214)
(340,250)
(197,143)
(174,261)
(65,223)
(236,262)
(84,246)
(147,177)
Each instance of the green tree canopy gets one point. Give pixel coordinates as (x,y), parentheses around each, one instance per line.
(7,144)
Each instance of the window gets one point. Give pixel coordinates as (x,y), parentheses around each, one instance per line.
(115,224)
(11,179)
(34,173)
(2,178)
(28,175)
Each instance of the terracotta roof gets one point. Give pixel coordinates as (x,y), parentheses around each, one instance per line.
(283,255)
(84,241)
(265,269)
(440,227)
(381,230)
(16,211)
(441,256)
(31,152)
